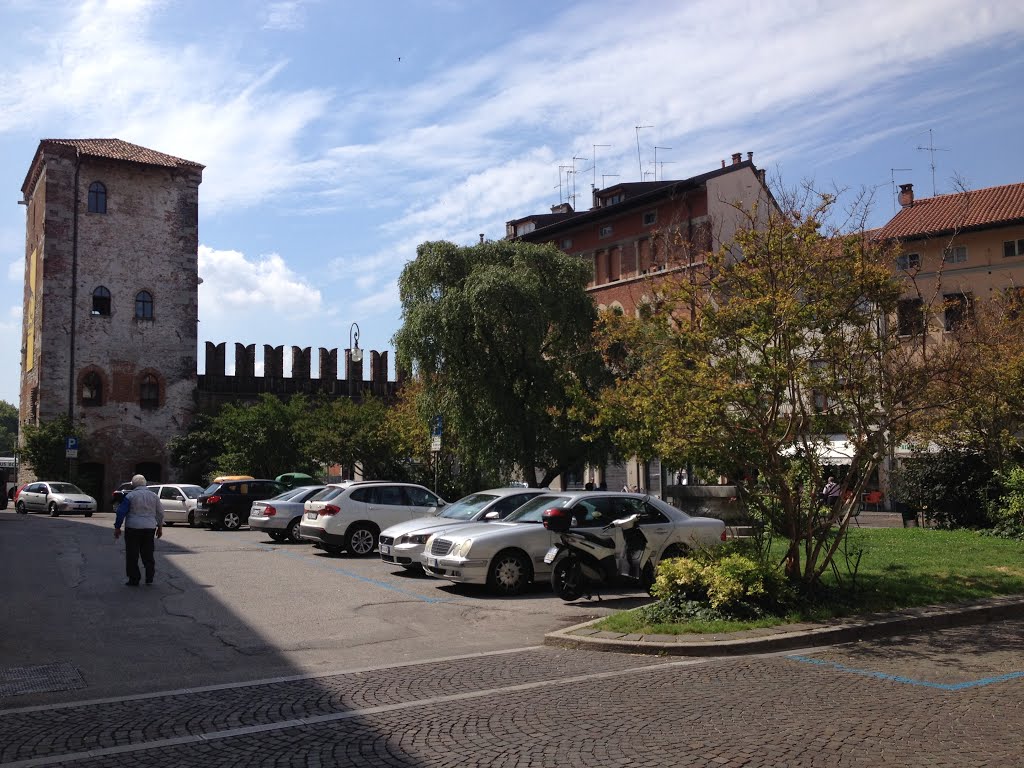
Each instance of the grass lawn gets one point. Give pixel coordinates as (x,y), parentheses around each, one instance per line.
(900,568)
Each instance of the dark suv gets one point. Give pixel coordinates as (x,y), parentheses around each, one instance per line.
(226,505)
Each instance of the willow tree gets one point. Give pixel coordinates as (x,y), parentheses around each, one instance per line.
(499,334)
(751,356)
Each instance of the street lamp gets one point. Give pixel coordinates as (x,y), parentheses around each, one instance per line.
(353,344)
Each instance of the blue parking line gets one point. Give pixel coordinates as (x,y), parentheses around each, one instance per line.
(358,577)
(908,680)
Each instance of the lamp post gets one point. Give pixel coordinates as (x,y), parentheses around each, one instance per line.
(355,352)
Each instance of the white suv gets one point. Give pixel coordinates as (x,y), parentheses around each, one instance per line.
(351,516)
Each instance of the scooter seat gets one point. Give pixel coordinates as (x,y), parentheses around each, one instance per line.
(601,541)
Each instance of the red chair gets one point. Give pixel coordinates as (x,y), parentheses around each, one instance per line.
(872,499)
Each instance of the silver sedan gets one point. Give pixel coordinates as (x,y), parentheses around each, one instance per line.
(402,544)
(279,516)
(508,555)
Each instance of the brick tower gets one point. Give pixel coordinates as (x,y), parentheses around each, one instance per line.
(111,302)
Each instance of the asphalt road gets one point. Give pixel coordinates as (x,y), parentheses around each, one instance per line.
(464,685)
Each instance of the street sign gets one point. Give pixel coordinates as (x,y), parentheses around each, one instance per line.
(8,462)
(71,448)
(435,445)
(437,428)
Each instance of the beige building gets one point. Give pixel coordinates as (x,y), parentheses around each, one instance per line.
(111,302)
(956,249)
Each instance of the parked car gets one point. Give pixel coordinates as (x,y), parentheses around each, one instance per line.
(351,515)
(118,495)
(508,555)
(178,502)
(226,504)
(403,543)
(280,516)
(55,498)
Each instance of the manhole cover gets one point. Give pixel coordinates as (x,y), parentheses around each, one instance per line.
(62,676)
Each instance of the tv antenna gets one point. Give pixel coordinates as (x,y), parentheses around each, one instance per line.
(561,170)
(931,149)
(663,162)
(639,162)
(574,159)
(605,146)
(892,176)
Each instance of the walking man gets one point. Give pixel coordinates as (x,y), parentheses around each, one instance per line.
(142,516)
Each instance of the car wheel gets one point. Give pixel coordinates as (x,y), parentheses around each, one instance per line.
(292,534)
(362,538)
(276,535)
(53,510)
(20,508)
(674,550)
(192,519)
(509,573)
(231,521)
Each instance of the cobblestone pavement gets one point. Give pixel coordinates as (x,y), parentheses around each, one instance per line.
(947,698)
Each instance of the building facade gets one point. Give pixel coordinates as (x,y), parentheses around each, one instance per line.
(634,236)
(109,333)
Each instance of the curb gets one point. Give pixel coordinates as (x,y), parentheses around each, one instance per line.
(585,637)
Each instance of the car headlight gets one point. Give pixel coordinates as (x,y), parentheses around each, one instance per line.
(413,538)
(464,548)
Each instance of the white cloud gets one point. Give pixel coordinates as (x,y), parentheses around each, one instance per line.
(234,285)
(16,270)
(286,16)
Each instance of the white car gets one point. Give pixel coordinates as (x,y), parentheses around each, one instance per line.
(178,502)
(351,516)
(508,555)
(55,498)
(402,544)
(279,517)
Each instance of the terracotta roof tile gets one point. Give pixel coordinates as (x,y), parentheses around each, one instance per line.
(115,149)
(944,214)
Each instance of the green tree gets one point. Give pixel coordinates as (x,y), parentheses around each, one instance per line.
(43,447)
(8,428)
(499,333)
(264,438)
(752,355)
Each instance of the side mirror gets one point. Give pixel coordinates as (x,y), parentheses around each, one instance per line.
(492,515)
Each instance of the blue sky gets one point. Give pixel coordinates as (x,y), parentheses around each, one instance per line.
(337,136)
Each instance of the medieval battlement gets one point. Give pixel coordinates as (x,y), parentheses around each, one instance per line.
(216,387)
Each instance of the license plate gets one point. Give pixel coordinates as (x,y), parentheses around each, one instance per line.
(552,553)
(311,515)
(385,549)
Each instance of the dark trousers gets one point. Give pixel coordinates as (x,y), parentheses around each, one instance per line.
(139,541)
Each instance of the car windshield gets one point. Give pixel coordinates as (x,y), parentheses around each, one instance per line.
(327,493)
(64,488)
(212,488)
(467,507)
(191,491)
(532,510)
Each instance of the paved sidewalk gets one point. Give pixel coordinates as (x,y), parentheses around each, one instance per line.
(790,636)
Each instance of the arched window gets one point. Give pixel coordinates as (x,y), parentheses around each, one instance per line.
(149,391)
(92,389)
(144,305)
(101,301)
(97,197)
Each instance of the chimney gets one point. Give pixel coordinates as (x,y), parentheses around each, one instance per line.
(736,158)
(723,163)
(481,237)
(906,195)
(750,157)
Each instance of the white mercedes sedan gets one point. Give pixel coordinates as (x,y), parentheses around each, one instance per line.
(507,555)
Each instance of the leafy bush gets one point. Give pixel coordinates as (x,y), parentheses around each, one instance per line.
(1007,512)
(733,584)
(953,487)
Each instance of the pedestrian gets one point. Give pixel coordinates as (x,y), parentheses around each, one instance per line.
(830,493)
(143,518)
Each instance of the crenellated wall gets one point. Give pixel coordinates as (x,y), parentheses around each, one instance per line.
(216,387)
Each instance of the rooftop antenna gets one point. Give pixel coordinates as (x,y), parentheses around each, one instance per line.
(574,159)
(561,169)
(656,162)
(650,173)
(932,149)
(638,161)
(892,176)
(606,146)
(662,164)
